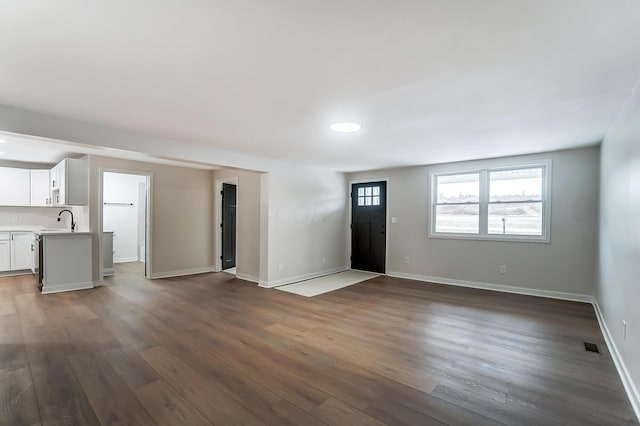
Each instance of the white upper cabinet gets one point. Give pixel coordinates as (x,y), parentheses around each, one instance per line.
(70,182)
(66,184)
(15,187)
(40,190)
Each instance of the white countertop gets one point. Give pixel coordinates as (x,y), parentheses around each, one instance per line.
(41,230)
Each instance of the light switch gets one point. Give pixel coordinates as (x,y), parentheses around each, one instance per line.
(394,219)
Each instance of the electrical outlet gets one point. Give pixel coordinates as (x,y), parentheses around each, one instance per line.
(624,329)
(280,267)
(324,260)
(14,217)
(394,219)
(503,269)
(406,259)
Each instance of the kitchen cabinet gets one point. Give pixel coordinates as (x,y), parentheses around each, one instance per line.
(5,251)
(70,182)
(40,188)
(17,192)
(21,250)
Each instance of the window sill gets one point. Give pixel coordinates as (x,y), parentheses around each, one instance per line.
(511,238)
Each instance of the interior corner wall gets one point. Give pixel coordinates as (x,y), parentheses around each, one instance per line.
(307,212)
(182,212)
(565,265)
(248,221)
(618,289)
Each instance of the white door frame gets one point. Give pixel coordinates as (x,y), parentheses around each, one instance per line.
(148,256)
(218,219)
(387,219)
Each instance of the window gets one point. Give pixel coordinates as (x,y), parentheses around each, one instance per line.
(369,196)
(497,204)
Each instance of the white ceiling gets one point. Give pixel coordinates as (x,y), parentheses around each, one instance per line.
(430,81)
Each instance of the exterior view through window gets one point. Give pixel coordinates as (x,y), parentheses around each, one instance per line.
(505,203)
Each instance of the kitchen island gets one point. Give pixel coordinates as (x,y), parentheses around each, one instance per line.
(65,261)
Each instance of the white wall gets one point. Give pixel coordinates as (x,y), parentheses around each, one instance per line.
(182,225)
(565,265)
(123,220)
(36,216)
(306,217)
(618,290)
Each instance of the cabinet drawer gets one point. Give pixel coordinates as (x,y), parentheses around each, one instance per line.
(5,236)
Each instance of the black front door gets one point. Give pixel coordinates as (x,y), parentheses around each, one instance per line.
(228,226)
(369,226)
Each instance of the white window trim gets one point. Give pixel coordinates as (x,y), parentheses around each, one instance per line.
(484,203)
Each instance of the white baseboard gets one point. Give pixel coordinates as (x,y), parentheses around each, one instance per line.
(627,381)
(124,259)
(496,287)
(49,289)
(108,272)
(182,272)
(304,277)
(16,273)
(249,278)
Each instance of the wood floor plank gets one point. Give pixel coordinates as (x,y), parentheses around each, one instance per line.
(333,411)
(12,349)
(167,407)
(209,399)
(18,405)
(29,309)
(213,349)
(204,359)
(111,399)
(60,397)
(130,367)
(7,303)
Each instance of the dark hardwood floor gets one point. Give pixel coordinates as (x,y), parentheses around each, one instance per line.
(212,349)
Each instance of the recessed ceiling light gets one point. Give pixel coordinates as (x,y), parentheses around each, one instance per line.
(1,153)
(2,141)
(345,127)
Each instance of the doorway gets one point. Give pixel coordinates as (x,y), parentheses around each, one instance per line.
(229,199)
(125,218)
(369,226)
(226,223)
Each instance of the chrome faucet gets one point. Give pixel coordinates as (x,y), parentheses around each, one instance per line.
(73,224)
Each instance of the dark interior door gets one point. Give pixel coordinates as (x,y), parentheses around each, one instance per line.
(228,226)
(369,226)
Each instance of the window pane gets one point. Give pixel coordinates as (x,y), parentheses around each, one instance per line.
(459,188)
(515,219)
(367,191)
(376,201)
(376,190)
(367,201)
(361,201)
(516,185)
(458,219)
